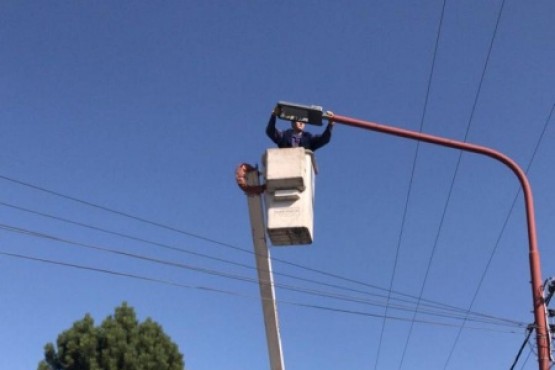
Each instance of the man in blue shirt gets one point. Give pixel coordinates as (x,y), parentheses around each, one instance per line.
(296,136)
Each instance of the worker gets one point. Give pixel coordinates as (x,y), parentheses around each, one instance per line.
(296,136)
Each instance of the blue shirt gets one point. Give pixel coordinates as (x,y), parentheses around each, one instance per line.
(290,139)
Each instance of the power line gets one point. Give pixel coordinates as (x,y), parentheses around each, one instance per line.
(498,241)
(317,293)
(116,212)
(231,293)
(177,249)
(430,302)
(309,269)
(473,110)
(182,250)
(411,179)
(173,229)
(549,288)
(521,349)
(526,360)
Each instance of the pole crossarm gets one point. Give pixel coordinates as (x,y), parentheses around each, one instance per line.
(542,331)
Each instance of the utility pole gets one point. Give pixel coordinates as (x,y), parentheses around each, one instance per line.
(264,269)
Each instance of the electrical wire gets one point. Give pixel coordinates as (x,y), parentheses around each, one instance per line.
(430,302)
(451,187)
(411,180)
(521,349)
(317,293)
(526,360)
(530,329)
(179,231)
(503,228)
(230,293)
(182,250)
(389,317)
(179,249)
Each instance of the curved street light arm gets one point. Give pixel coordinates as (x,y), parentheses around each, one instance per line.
(542,331)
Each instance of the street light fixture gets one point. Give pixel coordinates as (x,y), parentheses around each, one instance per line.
(311,114)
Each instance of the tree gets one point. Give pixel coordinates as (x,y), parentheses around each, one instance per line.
(119,343)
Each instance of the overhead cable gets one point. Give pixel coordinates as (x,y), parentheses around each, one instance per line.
(218,273)
(342,278)
(226,292)
(503,228)
(411,179)
(451,187)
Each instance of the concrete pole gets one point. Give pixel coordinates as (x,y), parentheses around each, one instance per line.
(265,277)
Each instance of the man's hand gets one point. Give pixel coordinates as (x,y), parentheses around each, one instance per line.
(329,115)
(276,111)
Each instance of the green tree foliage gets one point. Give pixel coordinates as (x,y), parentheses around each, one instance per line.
(119,343)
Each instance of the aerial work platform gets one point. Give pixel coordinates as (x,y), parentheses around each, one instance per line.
(290,183)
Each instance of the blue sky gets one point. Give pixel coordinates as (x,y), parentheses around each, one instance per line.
(117,113)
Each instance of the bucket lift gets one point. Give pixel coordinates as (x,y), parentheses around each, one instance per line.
(290,175)
(290,182)
(289,196)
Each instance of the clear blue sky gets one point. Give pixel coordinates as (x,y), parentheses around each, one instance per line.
(146,108)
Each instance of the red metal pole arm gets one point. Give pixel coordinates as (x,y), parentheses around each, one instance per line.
(542,332)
